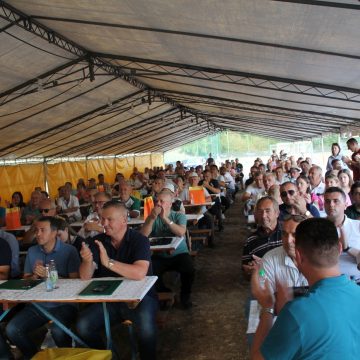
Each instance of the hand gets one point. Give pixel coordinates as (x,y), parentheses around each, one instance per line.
(39,269)
(300,205)
(251,266)
(342,238)
(264,296)
(346,159)
(104,258)
(155,212)
(307,198)
(85,253)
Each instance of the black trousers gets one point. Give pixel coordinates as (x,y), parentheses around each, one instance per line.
(181,263)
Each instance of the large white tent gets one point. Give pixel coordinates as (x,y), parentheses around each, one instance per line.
(84,78)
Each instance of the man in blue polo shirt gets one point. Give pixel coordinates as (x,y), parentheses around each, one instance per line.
(163,221)
(121,251)
(324,324)
(67,263)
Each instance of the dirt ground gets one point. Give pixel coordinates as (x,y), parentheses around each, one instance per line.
(215,327)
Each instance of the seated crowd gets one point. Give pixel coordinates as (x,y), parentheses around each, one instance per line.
(307,238)
(104,245)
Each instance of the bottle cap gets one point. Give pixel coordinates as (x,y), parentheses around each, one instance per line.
(261,272)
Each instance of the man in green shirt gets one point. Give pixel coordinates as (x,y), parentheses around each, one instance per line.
(162,221)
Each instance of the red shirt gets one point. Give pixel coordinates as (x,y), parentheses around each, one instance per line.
(356,168)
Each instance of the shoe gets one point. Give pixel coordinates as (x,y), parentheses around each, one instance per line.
(185,301)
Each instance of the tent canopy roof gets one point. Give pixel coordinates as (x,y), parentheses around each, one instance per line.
(116,77)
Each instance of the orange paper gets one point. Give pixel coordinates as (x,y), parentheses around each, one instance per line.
(148,206)
(196,194)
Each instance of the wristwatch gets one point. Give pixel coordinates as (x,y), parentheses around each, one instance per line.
(111,263)
(267,310)
(307,213)
(171,222)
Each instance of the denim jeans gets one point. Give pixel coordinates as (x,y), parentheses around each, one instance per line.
(30,318)
(91,323)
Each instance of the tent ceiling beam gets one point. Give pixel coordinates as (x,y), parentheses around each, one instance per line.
(108,137)
(262,81)
(35,80)
(348,120)
(19,145)
(145,131)
(173,136)
(333,4)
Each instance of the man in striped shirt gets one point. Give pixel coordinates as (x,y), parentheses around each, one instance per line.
(266,237)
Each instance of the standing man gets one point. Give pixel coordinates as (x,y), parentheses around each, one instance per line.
(121,251)
(164,222)
(354,163)
(323,324)
(67,264)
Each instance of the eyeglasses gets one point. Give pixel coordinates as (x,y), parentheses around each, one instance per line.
(100,202)
(285,193)
(44,210)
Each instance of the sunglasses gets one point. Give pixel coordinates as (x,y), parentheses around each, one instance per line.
(285,193)
(44,210)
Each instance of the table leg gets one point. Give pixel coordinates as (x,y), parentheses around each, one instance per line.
(107,327)
(59,324)
(5,312)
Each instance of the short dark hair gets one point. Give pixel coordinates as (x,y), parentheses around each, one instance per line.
(54,223)
(335,189)
(352,141)
(318,240)
(354,186)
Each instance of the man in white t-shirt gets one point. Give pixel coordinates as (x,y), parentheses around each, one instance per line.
(253,192)
(348,230)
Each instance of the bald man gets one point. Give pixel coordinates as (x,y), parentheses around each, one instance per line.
(120,252)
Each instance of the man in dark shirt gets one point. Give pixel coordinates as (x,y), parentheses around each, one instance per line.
(353,211)
(119,252)
(266,237)
(213,188)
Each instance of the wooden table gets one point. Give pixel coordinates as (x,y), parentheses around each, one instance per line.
(130,292)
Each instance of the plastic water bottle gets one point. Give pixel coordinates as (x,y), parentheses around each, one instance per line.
(53,274)
(48,282)
(262,278)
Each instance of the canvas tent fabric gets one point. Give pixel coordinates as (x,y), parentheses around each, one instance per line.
(86,78)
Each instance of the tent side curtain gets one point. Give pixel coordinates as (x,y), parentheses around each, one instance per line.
(125,166)
(157,160)
(101,166)
(58,174)
(141,162)
(23,178)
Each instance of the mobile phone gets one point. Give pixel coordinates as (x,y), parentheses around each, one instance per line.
(100,288)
